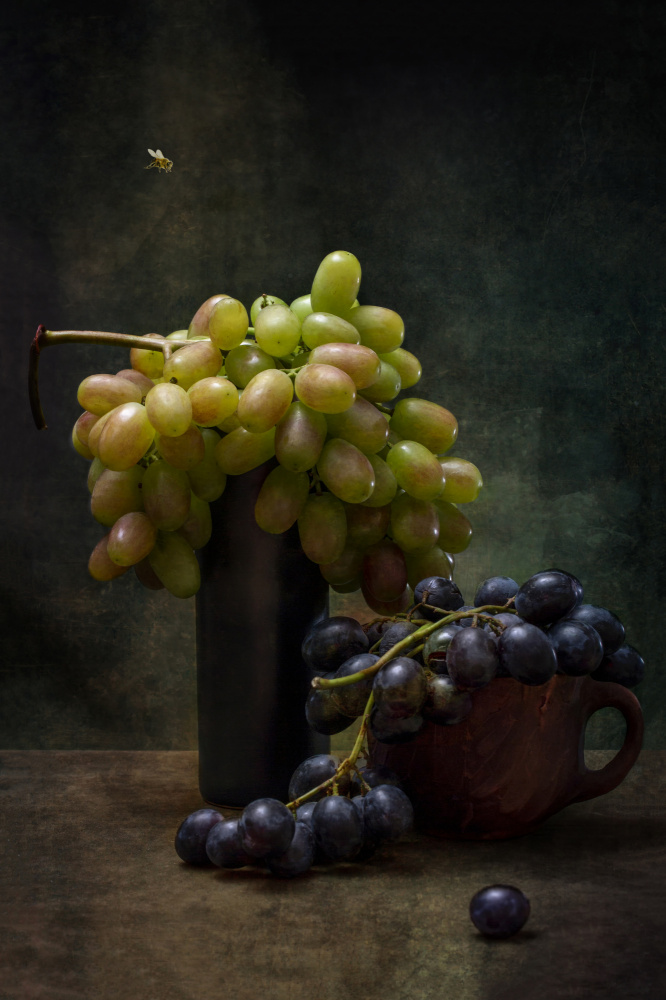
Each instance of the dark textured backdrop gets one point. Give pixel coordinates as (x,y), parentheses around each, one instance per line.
(497,169)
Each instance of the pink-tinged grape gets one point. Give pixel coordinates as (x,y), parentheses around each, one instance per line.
(336,283)
(406,364)
(190,363)
(169,409)
(381,329)
(228,324)
(183,452)
(149,363)
(366,525)
(144,383)
(345,569)
(361,364)
(386,387)
(126,437)
(175,564)
(414,523)
(116,493)
(265,400)
(146,575)
(362,424)
(100,565)
(384,571)
(455,531)
(199,325)
(99,394)
(346,471)
(299,437)
(321,328)
(462,480)
(386,485)
(302,306)
(387,608)
(244,362)
(83,427)
(83,449)
(95,433)
(166,495)
(325,388)
(428,423)
(281,500)
(241,450)
(213,400)
(131,539)
(198,525)
(277,330)
(94,472)
(421,565)
(417,470)
(261,302)
(207,479)
(322,528)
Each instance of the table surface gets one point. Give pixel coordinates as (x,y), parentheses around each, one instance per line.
(95,904)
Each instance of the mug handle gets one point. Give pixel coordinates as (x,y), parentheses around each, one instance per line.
(606,694)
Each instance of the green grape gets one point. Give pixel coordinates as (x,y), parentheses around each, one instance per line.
(321,328)
(99,394)
(428,423)
(213,399)
(145,573)
(116,493)
(198,525)
(386,485)
(366,525)
(462,480)
(85,426)
(166,495)
(94,472)
(362,424)
(301,306)
(381,329)
(169,409)
(261,302)
(228,324)
(384,571)
(199,324)
(175,564)
(207,479)
(345,569)
(144,383)
(281,500)
(455,531)
(434,562)
(336,283)
(325,388)
(244,362)
(189,364)
(126,436)
(241,450)
(95,433)
(361,364)
(231,422)
(149,363)
(265,400)
(277,330)
(417,470)
(100,565)
(346,471)
(299,437)
(183,452)
(177,335)
(322,528)
(406,364)
(414,523)
(386,387)
(131,539)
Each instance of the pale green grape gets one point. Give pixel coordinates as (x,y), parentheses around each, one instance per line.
(244,362)
(126,436)
(177,335)
(81,448)
(83,427)
(277,330)
(406,364)
(428,423)
(183,452)
(434,562)
(175,564)
(231,422)
(94,472)
(213,399)
(386,387)
(346,471)
(116,493)
(207,479)
(299,437)
(301,306)
(166,495)
(325,388)
(265,400)
(199,324)
(100,565)
(366,525)
(131,539)
(149,363)
(381,329)
(144,383)
(261,302)
(386,485)
(321,328)
(414,523)
(361,364)
(417,470)
(99,394)
(195,361)
(336,283)
(228,324)
(281,499)
(241,450)
(462,480)
(455,531)
(362,424)
(322,528)
(198,525)
(169,409)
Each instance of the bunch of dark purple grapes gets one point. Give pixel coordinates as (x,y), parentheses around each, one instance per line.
(424,665)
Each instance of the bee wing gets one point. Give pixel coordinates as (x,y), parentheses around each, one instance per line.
(153,153)
(159,154)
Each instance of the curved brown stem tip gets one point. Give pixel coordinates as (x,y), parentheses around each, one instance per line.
(33,378)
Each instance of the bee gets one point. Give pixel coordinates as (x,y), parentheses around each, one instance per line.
(159,160)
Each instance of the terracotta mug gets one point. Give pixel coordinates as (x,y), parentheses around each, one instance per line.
(515,760)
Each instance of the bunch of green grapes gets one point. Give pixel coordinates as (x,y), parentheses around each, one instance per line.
(308,384)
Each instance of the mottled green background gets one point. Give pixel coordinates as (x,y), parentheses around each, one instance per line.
(499,172)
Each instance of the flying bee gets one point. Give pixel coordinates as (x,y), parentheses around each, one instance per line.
(159,160)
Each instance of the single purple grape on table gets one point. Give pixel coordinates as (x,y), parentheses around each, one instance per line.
(192,833)
(495,590)
(266,827)
(396,633)
(546,597)
(445,705)
(625,666)
(395,730)
(527,654)
(472,659)
(224,846)
(299,856)
(322,714)
(436,647)
(578,647)
(440,592)
(311,772)
(499,911)
(332,641)
(351,699)
(607,624)
(388,813)
(369,844)
(400,688)
(337,827)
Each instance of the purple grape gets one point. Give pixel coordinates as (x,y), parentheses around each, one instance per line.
(472,659)
(299,856)
(370,843)
(400,688)
(352,698)
(312,772)
(495,590)
(445,704)
(378,774)
(438,591)
(578,586)
(527,654)
(375,631)
(608,625)
(192,833)
(224,846)
(321,713)
(388,813)
(546,597)
(394,634)
(332,641)
(506,619)
(625,666)
(466,622)
(395,730)
(436,647)
(266,827)
(337,827)
(499,911)
(578,647)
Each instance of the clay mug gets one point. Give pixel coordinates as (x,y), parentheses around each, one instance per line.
(515,760)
